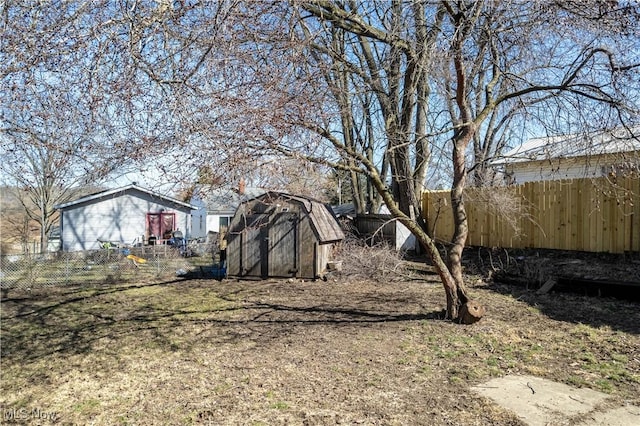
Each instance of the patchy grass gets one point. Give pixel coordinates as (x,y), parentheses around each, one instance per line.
(271,352)
(95,268)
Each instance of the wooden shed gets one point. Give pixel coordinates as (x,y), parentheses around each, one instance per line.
(281,235)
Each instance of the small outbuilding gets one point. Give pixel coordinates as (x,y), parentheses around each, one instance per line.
(281,235)
(376,228)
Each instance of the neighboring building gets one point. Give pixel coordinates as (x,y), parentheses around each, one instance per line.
(573,156)
(216,207)
(127,215)
(375,228)
(344,211)
(348,210)
(53,239)
(281,235)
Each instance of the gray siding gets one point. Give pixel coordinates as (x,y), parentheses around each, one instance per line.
(118,218)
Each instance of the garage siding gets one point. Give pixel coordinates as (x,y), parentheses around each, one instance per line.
(119,218)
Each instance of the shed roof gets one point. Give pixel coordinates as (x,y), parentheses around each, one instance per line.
(324,222)
(119,191)
(572,146)
(344,210)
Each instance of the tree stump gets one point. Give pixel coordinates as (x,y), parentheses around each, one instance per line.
(471,312)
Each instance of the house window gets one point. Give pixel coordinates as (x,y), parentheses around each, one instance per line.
(224,222)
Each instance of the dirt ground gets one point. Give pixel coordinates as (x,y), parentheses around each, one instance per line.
(582,272)
(344,351)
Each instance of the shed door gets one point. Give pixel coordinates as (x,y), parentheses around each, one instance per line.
(253,240)
(282,254)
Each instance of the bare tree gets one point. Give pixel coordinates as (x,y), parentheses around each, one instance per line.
(377,89)
(60,129)
(16,226)
(46,159)
(484,62)
(45,153)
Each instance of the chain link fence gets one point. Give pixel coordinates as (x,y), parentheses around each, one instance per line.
(105,266)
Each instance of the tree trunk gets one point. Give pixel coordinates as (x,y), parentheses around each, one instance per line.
(461,228)
(43,231)
(454,290)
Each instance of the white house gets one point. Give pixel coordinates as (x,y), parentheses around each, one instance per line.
(127,215)
(572,156)
(217,206)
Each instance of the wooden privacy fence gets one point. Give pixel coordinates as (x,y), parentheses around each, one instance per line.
(596,215)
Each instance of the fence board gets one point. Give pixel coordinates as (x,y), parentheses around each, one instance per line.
(576,219)
(595,221)
(598,215)
(635,211)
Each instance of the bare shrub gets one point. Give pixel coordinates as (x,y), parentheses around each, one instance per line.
(526,268)
(503,203)
(378,262)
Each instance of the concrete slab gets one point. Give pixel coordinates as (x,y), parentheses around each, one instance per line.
(540,402)
(624,416)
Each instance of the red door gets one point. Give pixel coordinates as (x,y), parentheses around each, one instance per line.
(161,225)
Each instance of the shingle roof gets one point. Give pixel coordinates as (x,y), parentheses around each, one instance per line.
(348,210)
(571,146)
(326,226)
(226,200)
(118,191)
(324,222)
